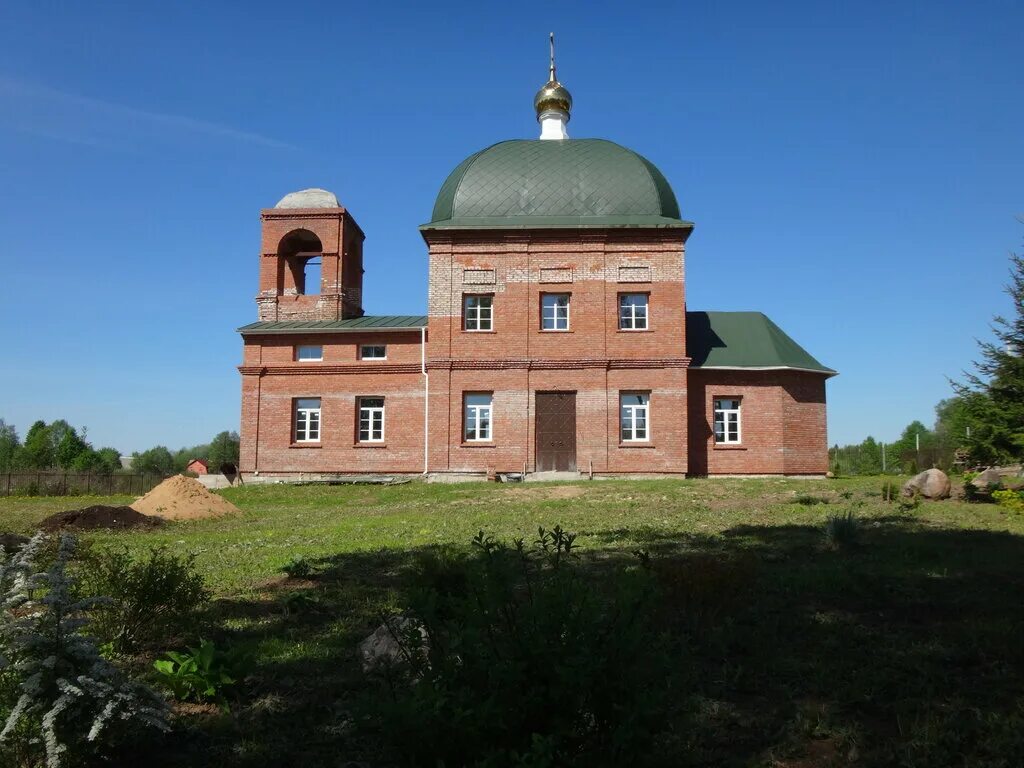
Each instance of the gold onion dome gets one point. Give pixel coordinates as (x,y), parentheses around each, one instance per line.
(552,95)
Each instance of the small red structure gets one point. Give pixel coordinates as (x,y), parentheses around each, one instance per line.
(199,466)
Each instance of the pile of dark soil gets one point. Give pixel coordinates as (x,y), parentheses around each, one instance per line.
(99,516)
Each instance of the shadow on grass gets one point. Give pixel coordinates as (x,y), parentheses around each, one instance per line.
(903,649)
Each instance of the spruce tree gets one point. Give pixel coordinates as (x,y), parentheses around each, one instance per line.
(995,391)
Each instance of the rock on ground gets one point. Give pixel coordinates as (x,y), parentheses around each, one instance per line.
(990,477)
(932,484)
(381,646)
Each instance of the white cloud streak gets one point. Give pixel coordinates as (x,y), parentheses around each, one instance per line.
(51,113)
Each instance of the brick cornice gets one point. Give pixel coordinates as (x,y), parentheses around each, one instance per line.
(295,369)
(453,364)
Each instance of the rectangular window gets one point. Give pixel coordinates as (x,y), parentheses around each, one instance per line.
(373,352)
(309,352)
(477,416)
(371,419)
(477,313)
(634,416)
(307,420)
(633,311)
(554,311)
(727,420)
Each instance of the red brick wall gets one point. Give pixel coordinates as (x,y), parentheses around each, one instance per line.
(272,379)
(339,294)
(782,422)
(593,358)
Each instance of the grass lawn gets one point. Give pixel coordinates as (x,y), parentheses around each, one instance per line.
(905,650)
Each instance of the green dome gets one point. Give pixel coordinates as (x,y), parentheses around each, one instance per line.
(530,184)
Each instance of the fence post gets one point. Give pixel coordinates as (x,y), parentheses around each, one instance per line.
(88,483)
(8,483)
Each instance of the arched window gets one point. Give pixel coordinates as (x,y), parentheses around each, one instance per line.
(302,253)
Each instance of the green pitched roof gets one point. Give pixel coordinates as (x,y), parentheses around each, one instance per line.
(527,184)
(364,323)
(744,340)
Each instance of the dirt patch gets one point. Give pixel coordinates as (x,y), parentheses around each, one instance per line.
(539,491)
(96,517)
(182,498)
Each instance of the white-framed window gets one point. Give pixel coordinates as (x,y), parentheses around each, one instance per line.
(477,411)
(373,352)
(554,311)
(307,420)
(371,419)
(633,311)
(478,312)
(309,352)
(727,420)
(635,417)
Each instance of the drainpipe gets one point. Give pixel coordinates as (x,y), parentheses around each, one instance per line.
(426,397)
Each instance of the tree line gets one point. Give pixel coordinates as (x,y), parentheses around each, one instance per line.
(982,424)
(60,446)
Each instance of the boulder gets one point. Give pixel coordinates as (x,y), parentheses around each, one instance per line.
(984,480)
(387,644)
(931,484)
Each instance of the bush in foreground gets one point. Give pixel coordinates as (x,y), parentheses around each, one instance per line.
(60,700)
(514,657)
(147,598)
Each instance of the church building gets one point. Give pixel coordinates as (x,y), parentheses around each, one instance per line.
(557,336)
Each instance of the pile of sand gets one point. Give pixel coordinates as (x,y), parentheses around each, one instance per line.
(182,498)
(98,516)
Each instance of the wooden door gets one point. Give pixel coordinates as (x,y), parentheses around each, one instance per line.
(556,431)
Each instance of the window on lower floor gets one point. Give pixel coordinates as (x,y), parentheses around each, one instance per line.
(477,410)
(554,311)
(307,420)
(371,419)
(633,311)
(727,420)
(477,313)
(373,352)
(309,352)
(634,417)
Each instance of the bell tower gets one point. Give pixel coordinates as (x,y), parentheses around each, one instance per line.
(311,262)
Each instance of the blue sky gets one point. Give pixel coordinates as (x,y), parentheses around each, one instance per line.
(854,170)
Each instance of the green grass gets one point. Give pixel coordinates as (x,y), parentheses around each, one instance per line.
(904,650)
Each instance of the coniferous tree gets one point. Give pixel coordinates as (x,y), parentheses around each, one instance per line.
(994,393)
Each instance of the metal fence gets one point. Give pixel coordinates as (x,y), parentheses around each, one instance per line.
(76,484)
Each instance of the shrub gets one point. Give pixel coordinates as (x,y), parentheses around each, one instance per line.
(511,656)
(149,598)
(298,568)
(909,503)
(842,530)
(1012,500)
(65,699)
(890,491)
(809,501)
(201,674)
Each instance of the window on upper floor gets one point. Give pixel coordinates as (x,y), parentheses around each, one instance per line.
(373,352)
(306,420)
(554,311)
(727,420)
(634,417)
(371,419)
(477,312)
(476,416)
(309,352)
(633,311)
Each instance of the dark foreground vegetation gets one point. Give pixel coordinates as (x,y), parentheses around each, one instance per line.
(700,623)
